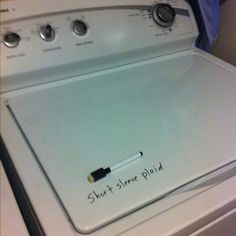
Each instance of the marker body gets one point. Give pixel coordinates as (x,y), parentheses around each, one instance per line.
(126,161)
(101,172)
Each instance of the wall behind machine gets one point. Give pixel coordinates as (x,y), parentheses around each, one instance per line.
(225,45)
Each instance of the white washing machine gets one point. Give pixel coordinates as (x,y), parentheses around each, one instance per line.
(112,122)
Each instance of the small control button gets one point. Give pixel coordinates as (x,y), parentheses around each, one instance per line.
(11,39)
(47,33)
(163,14)
(80,28)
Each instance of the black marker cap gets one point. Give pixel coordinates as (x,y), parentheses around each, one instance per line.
(98,174)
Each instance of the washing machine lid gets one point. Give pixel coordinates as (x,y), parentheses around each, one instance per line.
(179,111)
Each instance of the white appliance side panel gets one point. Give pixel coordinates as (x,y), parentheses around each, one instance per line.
(180,118)
(224,225)
(12,222)
(192,216)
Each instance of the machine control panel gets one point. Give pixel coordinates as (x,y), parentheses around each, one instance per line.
(163,14)
(91,38)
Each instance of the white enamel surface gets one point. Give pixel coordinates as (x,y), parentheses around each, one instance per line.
(180,118)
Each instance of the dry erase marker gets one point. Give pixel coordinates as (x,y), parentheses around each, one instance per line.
(102,172)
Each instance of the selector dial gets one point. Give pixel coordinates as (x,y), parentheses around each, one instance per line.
(163,14)
(79,27)
(47,33)
(11,39)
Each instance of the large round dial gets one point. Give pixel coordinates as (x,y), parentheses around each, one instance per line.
(47,33)
(11,39)
(163,14)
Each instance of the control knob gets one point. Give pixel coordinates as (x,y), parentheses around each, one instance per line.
(79,27)
(11,39)
(47,33)
(163,14)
